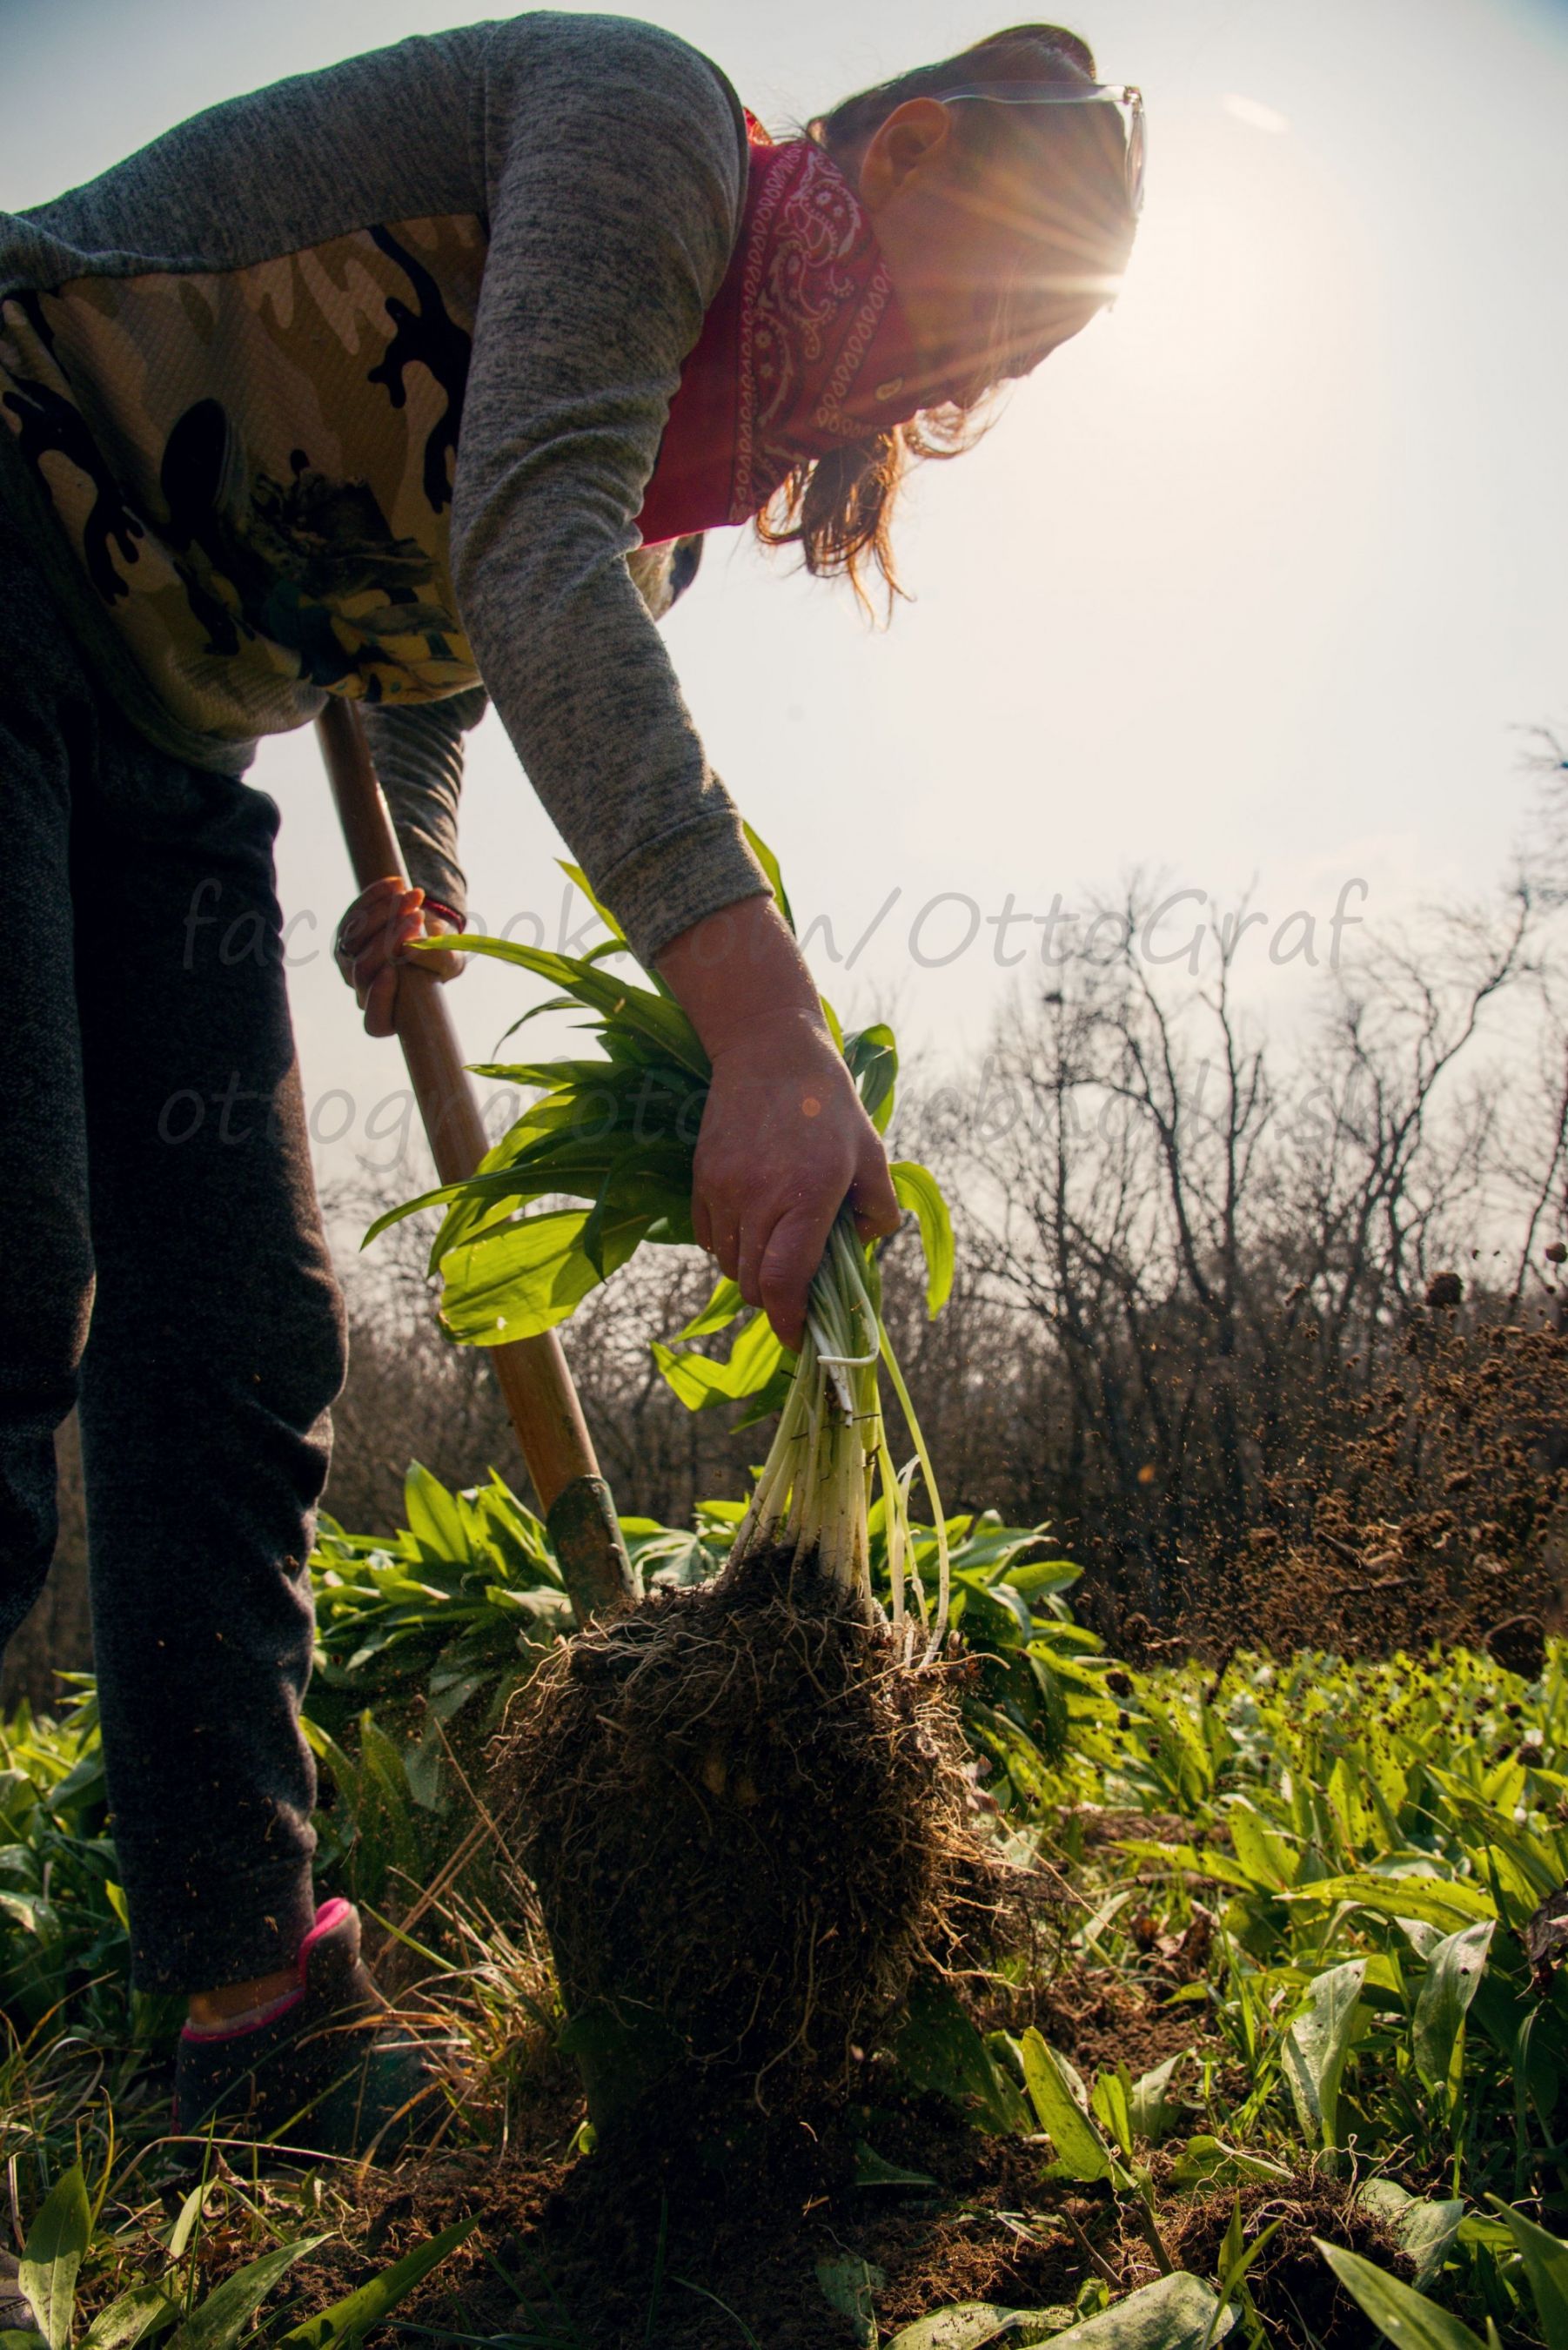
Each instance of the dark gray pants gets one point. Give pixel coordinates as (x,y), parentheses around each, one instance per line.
(166,1268)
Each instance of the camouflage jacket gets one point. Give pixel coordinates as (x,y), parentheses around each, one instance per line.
(352,386)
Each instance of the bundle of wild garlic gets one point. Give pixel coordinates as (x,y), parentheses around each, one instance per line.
(618,1133)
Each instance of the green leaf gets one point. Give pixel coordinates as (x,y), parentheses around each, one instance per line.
(1019,1754)
(574,873)
(527,1277)
(1236,2255)
(938,2051)
(1150,2099)
(591,1239)
(1111,2105)
(433,1518)
(1448,1902)
(1454,1971)
(1041,1576)
(1179,2313)
(873,1058)
(1208,2161)
(1405,2316)
(850,2286)
(917,1189)
(717,1314)
(1317,2044)
(872,2169)
(1425,2235)
(699,1381)
(348,2320)
(1425,2229)
(47,2272)
(127,2320)
(770,865)
(1078,2143)
(1015,1625)
(1475,2228)
(346,1780)
(189,2210)
(769,1398)
(1545,2259)
(228,2310)
(636,1010)
(1266,1858)
(970,2324)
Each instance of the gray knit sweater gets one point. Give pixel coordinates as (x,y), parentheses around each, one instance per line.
(354,385)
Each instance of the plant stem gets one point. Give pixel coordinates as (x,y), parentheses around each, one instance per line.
(830,1446)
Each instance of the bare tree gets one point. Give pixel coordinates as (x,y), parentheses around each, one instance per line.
(1256,1328)
(1214,1256)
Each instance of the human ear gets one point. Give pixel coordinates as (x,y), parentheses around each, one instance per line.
(909,141)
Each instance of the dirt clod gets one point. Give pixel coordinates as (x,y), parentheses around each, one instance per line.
(747,1820)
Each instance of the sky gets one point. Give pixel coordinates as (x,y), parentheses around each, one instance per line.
(1257,585)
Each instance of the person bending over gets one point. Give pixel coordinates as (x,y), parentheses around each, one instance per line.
(383,382)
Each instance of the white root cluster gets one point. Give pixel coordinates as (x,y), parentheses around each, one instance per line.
(814,1495)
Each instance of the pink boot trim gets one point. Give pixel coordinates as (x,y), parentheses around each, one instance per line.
(328,1917)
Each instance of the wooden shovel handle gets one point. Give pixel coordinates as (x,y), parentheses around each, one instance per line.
(540,1397)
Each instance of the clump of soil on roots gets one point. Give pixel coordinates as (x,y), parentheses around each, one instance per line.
(747,1820)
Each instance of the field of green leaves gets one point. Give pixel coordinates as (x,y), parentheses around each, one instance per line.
(1286,2061)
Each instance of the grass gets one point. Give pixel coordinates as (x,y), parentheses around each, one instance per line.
(1286,2061)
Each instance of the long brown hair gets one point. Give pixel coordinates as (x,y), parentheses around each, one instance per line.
(838,509)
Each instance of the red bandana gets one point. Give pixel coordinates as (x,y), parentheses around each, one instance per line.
(804,348)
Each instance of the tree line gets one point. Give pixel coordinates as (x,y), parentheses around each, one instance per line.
(1269,1328)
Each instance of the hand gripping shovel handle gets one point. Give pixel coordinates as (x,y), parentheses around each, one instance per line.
(535,1381)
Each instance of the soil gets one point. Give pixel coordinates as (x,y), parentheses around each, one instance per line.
(627,2247)
(682,2238)
(748,1820)
(604,2253)
(1432,1507)
(1295,2289)
(1445,1514)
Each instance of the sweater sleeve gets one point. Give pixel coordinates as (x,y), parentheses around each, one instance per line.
(417,748)
(614,165)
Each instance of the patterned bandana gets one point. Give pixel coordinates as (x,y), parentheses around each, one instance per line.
(804,348)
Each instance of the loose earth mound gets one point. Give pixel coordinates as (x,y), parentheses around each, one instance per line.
(747,1820)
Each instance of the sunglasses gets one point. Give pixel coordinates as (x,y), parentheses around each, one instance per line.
(1122,95)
